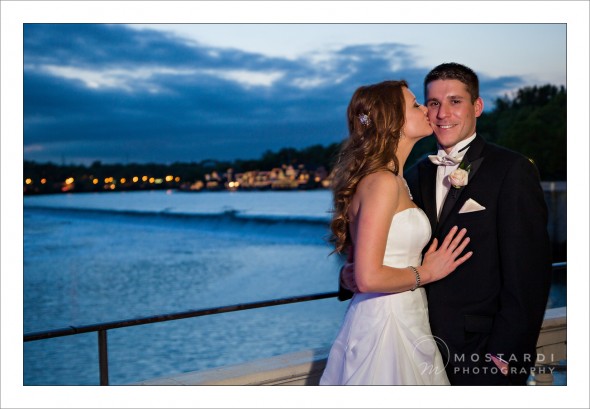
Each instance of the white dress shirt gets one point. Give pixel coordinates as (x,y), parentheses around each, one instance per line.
(443,185)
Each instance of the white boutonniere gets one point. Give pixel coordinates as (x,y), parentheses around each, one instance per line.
(460,176)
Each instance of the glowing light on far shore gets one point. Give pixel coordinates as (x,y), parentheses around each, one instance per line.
(135,179)
(95,181)
(43,181)
(28,181)
(169,178)
(177,179)
(152,180)
(123,180)
(69,181)
(144,178)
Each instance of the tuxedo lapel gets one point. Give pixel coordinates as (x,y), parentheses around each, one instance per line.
(428,190)
(472,158)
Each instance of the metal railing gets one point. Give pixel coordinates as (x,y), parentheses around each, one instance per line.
(102,328)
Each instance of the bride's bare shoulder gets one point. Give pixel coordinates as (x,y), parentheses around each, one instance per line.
(381,181)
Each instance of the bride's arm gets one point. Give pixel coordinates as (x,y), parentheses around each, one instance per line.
(377,196)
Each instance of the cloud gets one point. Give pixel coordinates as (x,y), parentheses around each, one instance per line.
(107,92)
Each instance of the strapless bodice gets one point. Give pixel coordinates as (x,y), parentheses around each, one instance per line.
(408,234)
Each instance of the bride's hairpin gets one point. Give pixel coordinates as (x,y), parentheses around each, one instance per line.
(364,118)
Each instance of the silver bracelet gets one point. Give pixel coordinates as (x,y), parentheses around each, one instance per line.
(415,270)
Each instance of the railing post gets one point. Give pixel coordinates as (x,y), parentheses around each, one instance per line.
(103,359)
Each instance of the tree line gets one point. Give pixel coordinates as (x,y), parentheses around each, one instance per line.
(532,122)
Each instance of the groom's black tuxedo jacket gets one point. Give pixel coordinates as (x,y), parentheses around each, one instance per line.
(494,303)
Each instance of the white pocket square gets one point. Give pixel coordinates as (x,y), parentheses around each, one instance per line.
(471,206)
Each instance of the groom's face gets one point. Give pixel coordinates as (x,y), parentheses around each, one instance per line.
(450,110)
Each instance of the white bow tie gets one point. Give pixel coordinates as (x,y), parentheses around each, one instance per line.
(446,160)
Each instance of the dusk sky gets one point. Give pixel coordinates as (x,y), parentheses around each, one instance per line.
(164,93)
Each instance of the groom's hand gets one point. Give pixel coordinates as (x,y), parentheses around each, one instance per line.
(347,276)
(501,364)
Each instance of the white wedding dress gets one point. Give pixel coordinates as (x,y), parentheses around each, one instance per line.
(385,339)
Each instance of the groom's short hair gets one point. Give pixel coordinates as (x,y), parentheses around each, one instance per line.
(454,71)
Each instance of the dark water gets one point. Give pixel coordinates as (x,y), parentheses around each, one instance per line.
(84,267)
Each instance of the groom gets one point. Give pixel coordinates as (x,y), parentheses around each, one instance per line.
(486,315)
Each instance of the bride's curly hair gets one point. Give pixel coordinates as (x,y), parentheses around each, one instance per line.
(376,116)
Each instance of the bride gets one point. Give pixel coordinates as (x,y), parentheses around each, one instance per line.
(385,338)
